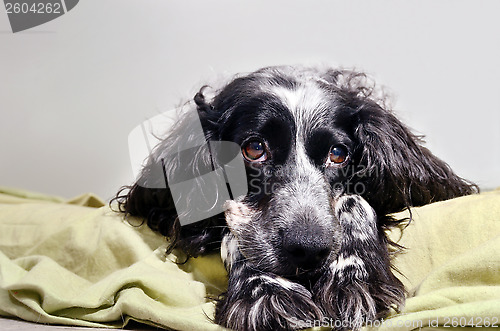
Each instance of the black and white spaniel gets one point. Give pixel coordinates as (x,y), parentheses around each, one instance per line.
(326,164)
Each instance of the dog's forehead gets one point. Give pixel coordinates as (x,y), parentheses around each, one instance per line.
(309,104)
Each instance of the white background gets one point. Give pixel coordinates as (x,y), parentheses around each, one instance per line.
(72,89)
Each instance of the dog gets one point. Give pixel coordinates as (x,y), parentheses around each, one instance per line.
(327,162)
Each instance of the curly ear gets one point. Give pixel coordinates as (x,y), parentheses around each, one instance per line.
(402,172)
(182,155)
(396,170)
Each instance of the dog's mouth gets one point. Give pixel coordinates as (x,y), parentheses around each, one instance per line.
(301,273)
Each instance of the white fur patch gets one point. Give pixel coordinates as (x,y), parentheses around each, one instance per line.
(353,261)
(229,250)
(345,261)
(307,103)
(277,281)
(236,213)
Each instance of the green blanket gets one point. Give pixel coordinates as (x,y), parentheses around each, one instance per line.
(78,263)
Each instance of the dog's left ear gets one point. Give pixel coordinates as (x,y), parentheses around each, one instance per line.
(396,170)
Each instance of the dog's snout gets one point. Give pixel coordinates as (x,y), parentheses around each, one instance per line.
(307,248)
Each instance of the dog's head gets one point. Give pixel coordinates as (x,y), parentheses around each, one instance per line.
(307,136)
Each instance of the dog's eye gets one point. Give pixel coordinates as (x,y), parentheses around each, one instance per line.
(254,150)
(338,155)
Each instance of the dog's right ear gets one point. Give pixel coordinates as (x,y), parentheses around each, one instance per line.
(155,205)
(150,196)
(397,170)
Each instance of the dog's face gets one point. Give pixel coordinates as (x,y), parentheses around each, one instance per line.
(326,162)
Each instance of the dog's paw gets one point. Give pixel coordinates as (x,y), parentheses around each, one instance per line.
(344,295)
(349,305)
(268,303)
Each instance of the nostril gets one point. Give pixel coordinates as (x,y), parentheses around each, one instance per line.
(306,256)
(322,254)
(296,252)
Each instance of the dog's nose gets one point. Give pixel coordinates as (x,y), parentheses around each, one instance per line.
(306,250)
